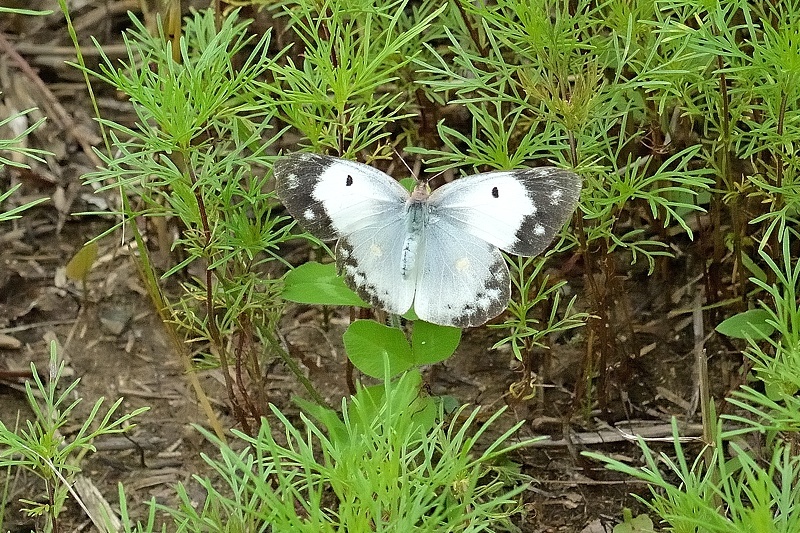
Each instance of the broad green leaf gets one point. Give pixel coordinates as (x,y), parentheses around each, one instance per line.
(753,268)
(81,263)
(408,183)
(424,408)
(431,343)
(315,283)
(639,524)
(411,315)
(778,391)
(752,324)
(368,344)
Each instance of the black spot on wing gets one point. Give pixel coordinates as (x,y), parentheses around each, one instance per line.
(495,193)
(295,178)
(555,193)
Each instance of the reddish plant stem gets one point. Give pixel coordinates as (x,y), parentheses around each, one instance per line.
(473,32)
(213,330)
(773,247)
(714,292)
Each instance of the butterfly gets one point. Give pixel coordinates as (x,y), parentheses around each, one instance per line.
(438,252)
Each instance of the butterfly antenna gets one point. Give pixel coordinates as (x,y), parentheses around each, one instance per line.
(400,157)
(437,175)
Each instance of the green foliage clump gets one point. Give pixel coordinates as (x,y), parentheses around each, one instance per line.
(42,449)
(390,462)
(683,119)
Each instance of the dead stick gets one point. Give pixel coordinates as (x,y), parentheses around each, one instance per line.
(51,104)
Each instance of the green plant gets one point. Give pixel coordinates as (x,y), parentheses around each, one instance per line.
(740,488)
(634,524)
(728,71)
(199,155)
(43,451)
(13,145)
(340,86)
(775,358)
(733,493)
(389,462)
(526,331)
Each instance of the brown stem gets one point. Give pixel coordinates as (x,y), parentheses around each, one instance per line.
(326,34)
(213,330)
(259,406)
(778,156)
(473,32)
(607,345)
(714,281)
(773,248)
(51,497)
(595,325)
(239,356)
(51,104)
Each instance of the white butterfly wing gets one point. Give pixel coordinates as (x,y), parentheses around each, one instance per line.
(517,211)
(333,197)
(370,261)
(463,281)
(361,206)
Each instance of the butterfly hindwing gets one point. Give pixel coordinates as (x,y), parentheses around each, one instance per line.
(519,211)
(369,260)
(463,280)
(332,197)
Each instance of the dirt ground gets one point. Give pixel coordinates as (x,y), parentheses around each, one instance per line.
(116,345)
(138,364)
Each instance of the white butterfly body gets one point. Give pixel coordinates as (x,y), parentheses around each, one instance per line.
(437,252)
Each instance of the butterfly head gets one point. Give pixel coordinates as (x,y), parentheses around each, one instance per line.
(421,191)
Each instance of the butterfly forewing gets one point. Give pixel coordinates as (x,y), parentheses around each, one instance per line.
(518,211)
(331,197)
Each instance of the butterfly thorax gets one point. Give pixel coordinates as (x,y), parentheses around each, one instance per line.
(417,216)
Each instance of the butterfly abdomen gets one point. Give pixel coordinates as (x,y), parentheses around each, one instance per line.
(417,214)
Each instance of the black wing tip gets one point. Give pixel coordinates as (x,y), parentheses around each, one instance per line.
(537,232)
(570,182)
(553,174)
(290,163)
